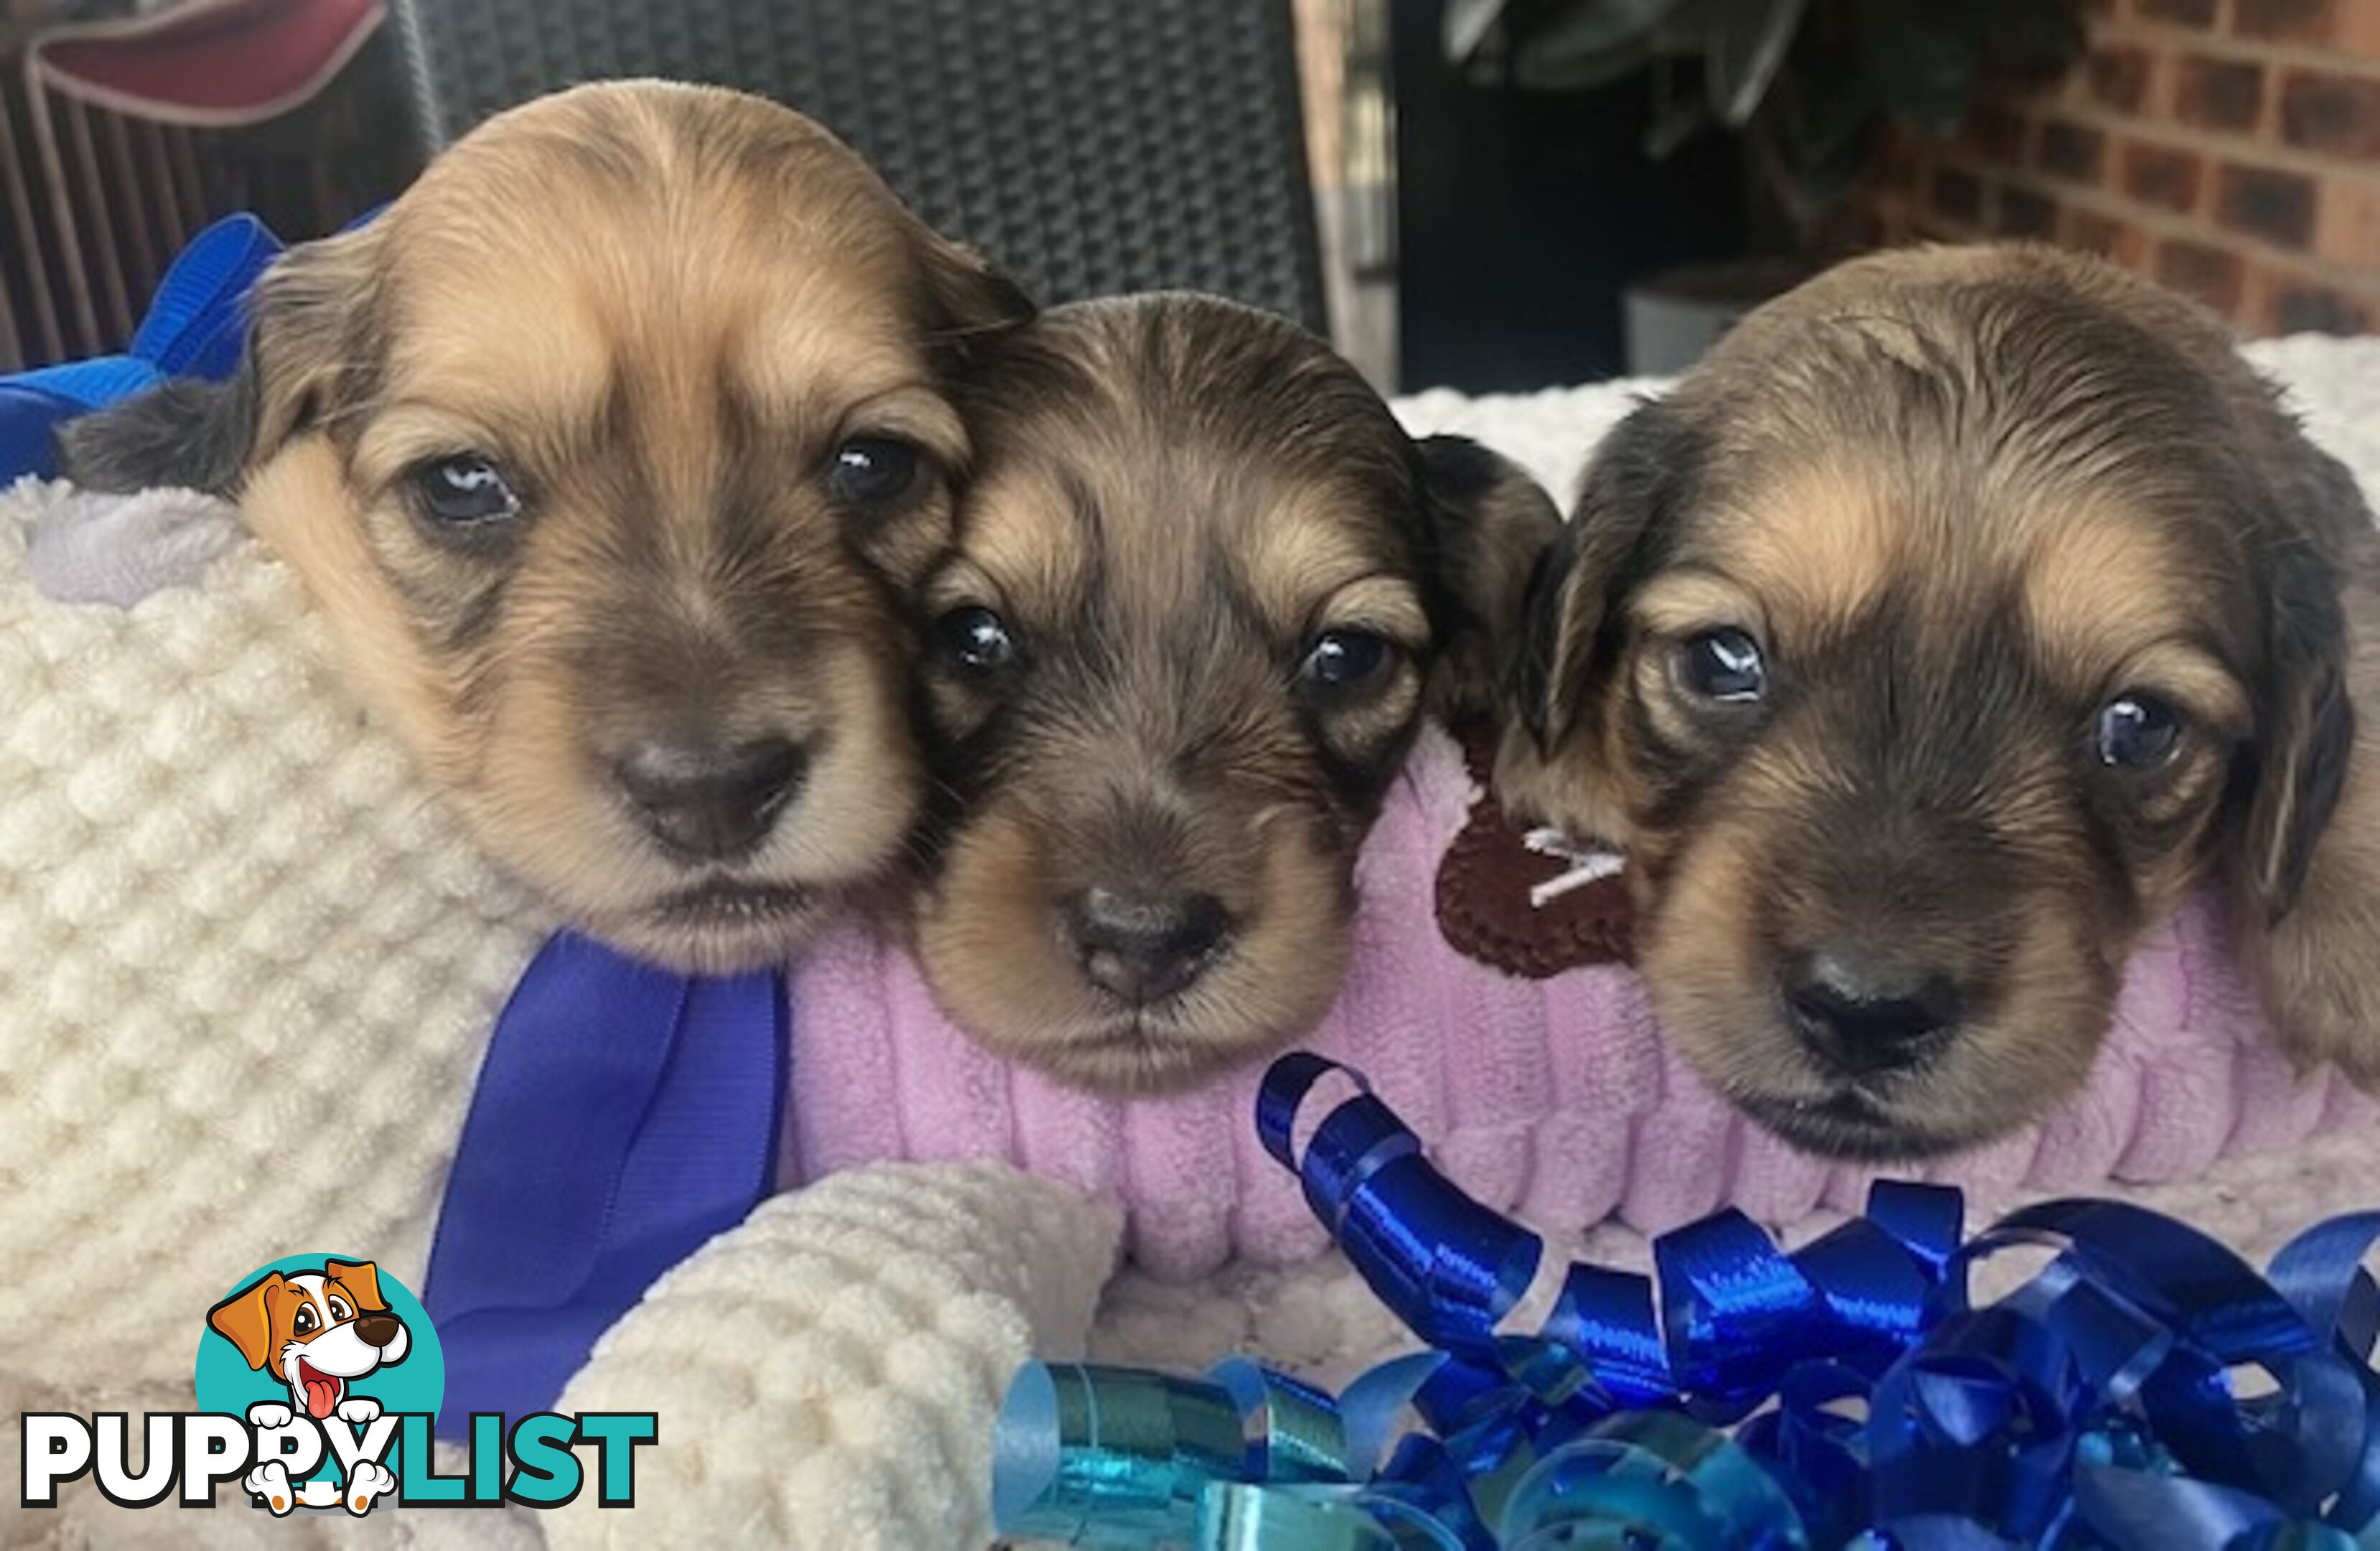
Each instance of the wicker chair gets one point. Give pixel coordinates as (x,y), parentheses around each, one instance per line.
(1088,146)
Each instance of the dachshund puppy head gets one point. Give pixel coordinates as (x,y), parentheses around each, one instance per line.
(1923,647)
(605,452)
(1202,588)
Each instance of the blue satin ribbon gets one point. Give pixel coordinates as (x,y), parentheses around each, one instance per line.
(194,328)
(623,1116)
(1744,1398)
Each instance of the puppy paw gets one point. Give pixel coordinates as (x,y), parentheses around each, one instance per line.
(2324,1000)
(361,1411)
(267,1413)
(2336,1026)
(270,1480)
(367,1482)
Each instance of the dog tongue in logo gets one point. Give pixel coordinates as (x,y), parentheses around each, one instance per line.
(322,1389)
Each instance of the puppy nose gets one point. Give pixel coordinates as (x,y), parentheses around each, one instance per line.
(713,802)
(1862,1018)
(1144,945)
(376,1330)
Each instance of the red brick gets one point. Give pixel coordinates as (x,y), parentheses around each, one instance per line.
(1896,166)
(2293,21)
(2069,150)
(2296,306)
(1957,194)
(2281,300)
(2024,214)
(2119,77)
(2336,114)
(1997,132)
(2347,230)
(2358,32)
(2267,202)
(2160,176)
(2211,275)
(2184,13)
(2092,233)
(2219,93)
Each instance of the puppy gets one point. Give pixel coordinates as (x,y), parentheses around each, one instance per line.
(603,452)
(315,1332)
(1960,614)
(1201,590)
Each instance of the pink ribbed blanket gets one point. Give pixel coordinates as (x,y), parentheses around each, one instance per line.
(1554,1098)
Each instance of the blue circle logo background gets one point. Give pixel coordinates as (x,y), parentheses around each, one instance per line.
(418,1383)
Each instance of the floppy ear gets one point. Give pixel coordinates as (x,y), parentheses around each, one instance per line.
(972,299)
(305,316)
(359,1276)
(1569,623)
(1489,522)
(2306,868)
(1572,618)
(2306,732)
(245,1319)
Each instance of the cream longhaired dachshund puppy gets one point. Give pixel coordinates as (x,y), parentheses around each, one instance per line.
(605,451)
(1964,610)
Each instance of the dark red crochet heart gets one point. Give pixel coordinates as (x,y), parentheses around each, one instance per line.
(1483,896)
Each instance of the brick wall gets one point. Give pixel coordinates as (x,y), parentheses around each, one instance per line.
(2230,148)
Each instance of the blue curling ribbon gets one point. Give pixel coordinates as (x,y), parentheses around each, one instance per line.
(1849,1394)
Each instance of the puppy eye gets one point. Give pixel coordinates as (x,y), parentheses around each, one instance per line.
(466,491)
(1339,661)
(873,470)
(976,639)
(1724,665)
(304,1322)
(339,1309)
(2138,732)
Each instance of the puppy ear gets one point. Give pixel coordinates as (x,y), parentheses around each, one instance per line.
(1489,523)
(2306,734)
(972,299)
(245,1319)
(360,1278)
(184,432)
(305,315)
(1569,628)
(2306,870)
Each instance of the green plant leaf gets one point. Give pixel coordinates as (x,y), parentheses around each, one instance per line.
(1674,125)
(1468,24)
(1747,47)
(1591,39)
(1920,58)
(1537,71)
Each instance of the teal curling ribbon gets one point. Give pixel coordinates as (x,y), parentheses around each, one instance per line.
(1849,1394)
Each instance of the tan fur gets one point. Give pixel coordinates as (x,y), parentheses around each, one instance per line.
(1177,499)
(1961,498)
(662,310)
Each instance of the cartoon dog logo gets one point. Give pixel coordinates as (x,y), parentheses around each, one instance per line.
(316,1332)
